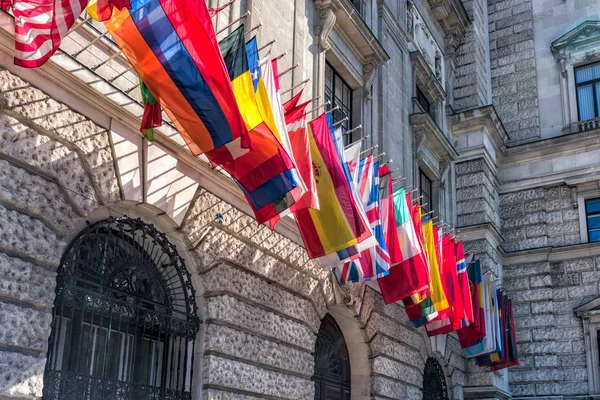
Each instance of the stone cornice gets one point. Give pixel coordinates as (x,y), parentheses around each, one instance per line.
(76,94)
(452,18)
(426,79)
(423,124)
(487,231)
(486,392)
(479,133)
(551,254)
(350,25)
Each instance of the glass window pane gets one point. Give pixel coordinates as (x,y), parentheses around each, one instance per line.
(587,73)
(594,222)
(592,206)
(595,235)
(585,101)
(597,97)
(328,77)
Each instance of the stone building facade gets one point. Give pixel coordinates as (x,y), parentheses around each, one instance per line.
(474,99)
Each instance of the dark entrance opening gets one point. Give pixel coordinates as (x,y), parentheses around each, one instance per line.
(332,363)
(434,381)
(124,318)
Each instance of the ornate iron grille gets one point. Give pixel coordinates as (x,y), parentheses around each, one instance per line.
(124,318)
(434,381)
(332,364)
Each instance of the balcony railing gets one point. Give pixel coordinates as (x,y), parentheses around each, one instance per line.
(582,126)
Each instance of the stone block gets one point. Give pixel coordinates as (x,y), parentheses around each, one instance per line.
(24,327)
(579,265)
(573,360)
(563,333)
(516,284)
(236,375)
(526,244)
(578,346)
(559,293)
(533,321)
(249,347)
(540,281)
(536,230)
(542,307)
(569,279)
(21,375)
(521,309)
(26,281)
(522,389)
(228,279)
(253,319)
(382,345)
(397,371)
(546,361)
(583,291)
(527,269)
(523,336)
(550,348)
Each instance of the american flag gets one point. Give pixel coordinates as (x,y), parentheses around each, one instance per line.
(40,26)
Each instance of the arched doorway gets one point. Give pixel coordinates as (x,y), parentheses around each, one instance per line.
(124,318)
(332,364)
(434,381)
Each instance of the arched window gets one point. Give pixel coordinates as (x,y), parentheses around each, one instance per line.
(124,317)
(332,364)
(434,381)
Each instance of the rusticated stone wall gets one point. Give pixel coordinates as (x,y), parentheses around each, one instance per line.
(552,359)
(476,194)
(472,86)
(262,300)
(539,217)
(513,68)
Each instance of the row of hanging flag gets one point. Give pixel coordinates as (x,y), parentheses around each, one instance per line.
(225,101)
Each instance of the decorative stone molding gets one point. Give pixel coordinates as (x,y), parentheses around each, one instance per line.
(429,84)
(369,72)
(326,23)
(452,17)
(486,392)
(423,41)
(578,45)
(590,314)
(426,131)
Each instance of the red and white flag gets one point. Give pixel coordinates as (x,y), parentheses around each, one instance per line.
(40,26)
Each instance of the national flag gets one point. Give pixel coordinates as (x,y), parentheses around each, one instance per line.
(498,356)
(419,307)
(409,275)
(265,173)
(177,56)
(102,10)
(469,335)
(388,218)
(487,344)
(293,102)
(267,82)
(336,232)
(463,281)
(351,156)
(452,290)
(296,127)
(374,262)
(40,26)
(512,357)
(253,61)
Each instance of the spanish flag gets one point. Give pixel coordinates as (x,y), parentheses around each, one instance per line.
(173,48)
(335,232)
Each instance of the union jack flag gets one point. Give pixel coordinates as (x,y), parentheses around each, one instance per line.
(374,262)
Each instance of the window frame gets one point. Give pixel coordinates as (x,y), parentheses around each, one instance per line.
(587,216)
(592,82)
(329,92)
(427,198)
(420,97)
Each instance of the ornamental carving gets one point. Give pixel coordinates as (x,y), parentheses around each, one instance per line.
(423,42)
(326,24)
(579,44)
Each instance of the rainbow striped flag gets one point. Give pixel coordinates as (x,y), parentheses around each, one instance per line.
(336,232)
(177,56)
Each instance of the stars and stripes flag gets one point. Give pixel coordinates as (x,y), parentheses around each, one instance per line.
(40,26)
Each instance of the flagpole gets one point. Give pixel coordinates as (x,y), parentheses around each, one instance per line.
(288,70)
(281,56)
(297,86)
(355,129)
(234,22)
(267,45)
(253,29)
(353,143)
(340,122)
(318,107)
(369,149)
(383,154)
(218,10)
